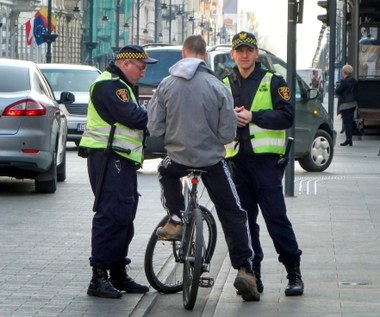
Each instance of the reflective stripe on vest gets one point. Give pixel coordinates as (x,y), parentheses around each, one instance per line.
(127,142)
(262,140)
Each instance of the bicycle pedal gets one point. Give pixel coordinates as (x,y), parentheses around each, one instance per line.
(206,281)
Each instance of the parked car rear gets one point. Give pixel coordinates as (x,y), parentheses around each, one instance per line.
(76,79)
(33,127)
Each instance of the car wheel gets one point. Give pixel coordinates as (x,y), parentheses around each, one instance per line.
(47,182)
(61,170)
(321,153)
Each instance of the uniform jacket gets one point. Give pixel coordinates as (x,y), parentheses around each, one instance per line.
(113,107)
(244,89)
(193,110)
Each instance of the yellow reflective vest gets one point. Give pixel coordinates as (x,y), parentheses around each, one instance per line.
(126,142)
(262,140)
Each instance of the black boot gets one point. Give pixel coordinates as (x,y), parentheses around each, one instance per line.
(295,286)
(347,142)
(120,279)
(100,285)
(259,282)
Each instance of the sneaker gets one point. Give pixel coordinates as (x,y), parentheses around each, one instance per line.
(259,284)
(245,283)
(170,231)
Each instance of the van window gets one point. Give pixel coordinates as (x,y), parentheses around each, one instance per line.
(156,72)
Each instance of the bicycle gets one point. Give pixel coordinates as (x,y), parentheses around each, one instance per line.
(163,258)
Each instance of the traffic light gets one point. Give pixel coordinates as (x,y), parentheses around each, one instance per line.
(324,18)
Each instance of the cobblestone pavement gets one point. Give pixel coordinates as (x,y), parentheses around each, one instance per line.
(45,245)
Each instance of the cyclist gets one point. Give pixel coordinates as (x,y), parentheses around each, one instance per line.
(193,110)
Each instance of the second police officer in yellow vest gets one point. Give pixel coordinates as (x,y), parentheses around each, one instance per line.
(264,111)
(113,144)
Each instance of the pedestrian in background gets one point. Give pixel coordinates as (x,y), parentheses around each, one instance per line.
(113,142)
(192,110)
(264,111)
(317,83)
(347,92)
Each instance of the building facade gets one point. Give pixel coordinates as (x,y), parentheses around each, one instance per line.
(90,31)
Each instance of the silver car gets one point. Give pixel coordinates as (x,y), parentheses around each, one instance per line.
(32,126)
(76,79)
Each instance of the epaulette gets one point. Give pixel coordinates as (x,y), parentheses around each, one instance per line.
(277,74)
(115,77)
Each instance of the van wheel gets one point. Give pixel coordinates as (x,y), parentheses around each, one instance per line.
(321,153)
(47,182)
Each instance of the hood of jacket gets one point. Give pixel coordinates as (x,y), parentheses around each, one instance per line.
(186,67)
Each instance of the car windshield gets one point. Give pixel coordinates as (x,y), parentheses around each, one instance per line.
(70,79)
(156,72)
(17,79)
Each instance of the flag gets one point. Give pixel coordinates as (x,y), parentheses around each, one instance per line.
(39,28)
(43,13)
(29,25)
(38,25)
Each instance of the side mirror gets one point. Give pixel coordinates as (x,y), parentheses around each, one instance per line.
(313,93)
(66,97)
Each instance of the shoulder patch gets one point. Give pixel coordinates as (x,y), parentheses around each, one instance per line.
(122,94)
(284,92)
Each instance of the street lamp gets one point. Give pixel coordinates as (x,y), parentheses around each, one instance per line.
(146,31)
(178,11)
(48,37)
(128,25)
(90,45)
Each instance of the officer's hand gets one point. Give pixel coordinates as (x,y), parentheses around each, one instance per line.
(243,115)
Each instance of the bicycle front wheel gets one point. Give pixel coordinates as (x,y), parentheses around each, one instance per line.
(193,260)
(162,265)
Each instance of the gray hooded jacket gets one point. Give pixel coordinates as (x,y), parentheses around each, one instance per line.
(193,110)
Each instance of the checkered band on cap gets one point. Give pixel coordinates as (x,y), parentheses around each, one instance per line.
(131,55)
(244,38)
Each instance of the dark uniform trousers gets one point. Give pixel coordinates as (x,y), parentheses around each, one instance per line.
(222,192)
(259,183)
(112,224)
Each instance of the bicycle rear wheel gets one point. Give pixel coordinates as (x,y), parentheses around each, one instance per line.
(193,260)
(209,233)
(162,265)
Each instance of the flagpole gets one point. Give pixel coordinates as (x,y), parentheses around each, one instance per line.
(49,38)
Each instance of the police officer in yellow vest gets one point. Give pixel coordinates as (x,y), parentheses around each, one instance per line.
(113,144)
(262,105)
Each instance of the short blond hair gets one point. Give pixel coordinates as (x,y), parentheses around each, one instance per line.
(347,69)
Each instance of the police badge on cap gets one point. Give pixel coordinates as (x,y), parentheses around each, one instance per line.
(244,38)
